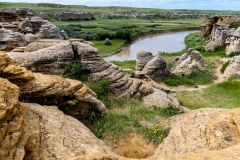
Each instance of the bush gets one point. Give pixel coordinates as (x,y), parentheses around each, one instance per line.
(224,66)
(107,42)
(74,70)
(232,54)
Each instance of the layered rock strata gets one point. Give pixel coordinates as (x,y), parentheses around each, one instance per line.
(119,84)
(233,42)
(52,90)
(188,62)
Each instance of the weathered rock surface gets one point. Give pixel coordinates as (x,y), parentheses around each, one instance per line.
(31,131)
(10,40)
(188,62)
(233,68)
(202,134)
(58,136)
(52,90)
(13,126)
(119,84)
(219,28)
(143,57)
(50,31)
(156,68)
(99,69)
(42,60)
(233,42)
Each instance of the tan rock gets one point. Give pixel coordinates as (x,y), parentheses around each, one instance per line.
(188,62)
(52,90)
(233,67)
(143,57)
(13,126)
(202,134)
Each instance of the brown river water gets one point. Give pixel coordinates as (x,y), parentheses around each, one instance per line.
(168,42)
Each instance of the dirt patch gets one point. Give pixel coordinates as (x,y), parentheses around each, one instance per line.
(132,146)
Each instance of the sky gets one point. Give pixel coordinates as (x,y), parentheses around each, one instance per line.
(163,4)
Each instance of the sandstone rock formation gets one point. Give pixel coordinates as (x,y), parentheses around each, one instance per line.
(59,52)
(202,134)
(233,68)
(13,126)
(233,42)
(219,29)
(30,131)
(156,68)
(188,62)
(10,40)
(143,57)
(52,90)
(19,33)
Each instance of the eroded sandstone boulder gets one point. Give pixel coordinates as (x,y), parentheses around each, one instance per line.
(233,67)
(188,62)
(52,90)
(202,134)
(143,57)
(10,40)
(233,42)
(13,125)
(50,31)
(156,68)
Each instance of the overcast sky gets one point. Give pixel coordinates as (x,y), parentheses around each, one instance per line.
(164,4)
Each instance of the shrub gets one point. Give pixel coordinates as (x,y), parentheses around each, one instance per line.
(224,66)
(107,42)
(232,54)
(71,103)
(74,70)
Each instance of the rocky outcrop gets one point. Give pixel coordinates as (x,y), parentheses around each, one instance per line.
(59,52)
(156,68)
(219,29)
(188,62)
(58,136)
(26,31)
(233,42)
(202,134)
(50,60)
(143,57)
(31,131)
(233,68)
(16,16)
(52,90)
(13,125)
(10,40)
(73,16)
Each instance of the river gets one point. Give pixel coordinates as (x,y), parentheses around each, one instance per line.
(168,42)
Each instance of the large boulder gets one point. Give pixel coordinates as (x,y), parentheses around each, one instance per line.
(10,40)
(50,31)
(42,60)
(52,90)
(233,67)
(156,68)
(202,134)
(188,62)
(143,57)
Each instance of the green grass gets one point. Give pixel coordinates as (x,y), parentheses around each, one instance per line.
(195,78)
(128,117)
(125,64)
(222,95)
(193,40)
(104,49)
